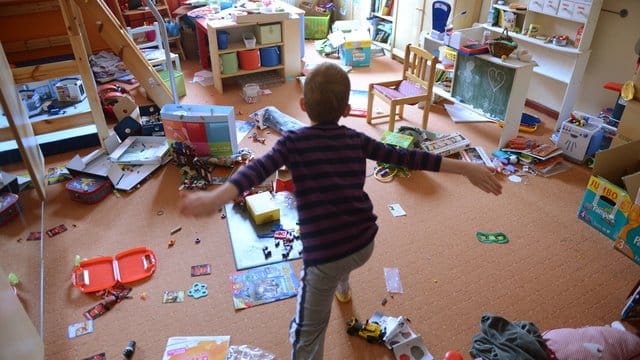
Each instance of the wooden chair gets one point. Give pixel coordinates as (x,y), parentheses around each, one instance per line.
(416,86)
(149,40)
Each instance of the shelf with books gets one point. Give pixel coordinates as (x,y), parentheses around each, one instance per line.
(383,7)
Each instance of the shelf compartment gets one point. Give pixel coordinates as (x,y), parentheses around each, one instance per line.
(245,72)
(239,46)
(534,41)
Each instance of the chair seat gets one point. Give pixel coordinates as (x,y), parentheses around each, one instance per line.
(406,88)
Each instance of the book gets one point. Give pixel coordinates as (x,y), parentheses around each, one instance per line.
(540,151)
(263,285)
(475,154)
(196,347)
(631,309)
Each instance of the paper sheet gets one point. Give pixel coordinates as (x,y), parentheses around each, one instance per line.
(459,113)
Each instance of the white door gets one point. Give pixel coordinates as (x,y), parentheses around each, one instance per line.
(409,15)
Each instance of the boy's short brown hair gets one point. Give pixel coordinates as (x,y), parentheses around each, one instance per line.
(326,93)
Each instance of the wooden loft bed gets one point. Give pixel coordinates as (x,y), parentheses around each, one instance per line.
(76,13)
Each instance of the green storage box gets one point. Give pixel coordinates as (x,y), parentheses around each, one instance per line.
(316,27)
(180,88)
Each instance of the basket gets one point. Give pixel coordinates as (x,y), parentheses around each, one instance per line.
(502,45)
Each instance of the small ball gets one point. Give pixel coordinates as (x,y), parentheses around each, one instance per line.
(453,355)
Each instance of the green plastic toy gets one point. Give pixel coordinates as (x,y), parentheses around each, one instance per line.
(13,279)
(492,237)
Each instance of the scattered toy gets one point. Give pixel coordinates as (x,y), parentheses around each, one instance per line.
(173,296)
(171,243)
(198,290)
(267,253)
(492,237)
(100,308)
(175,230)
(370,331)
(200,270)
(129,349)
(197,240)
(384,301)
(80,328)
(56,230)
(13,279)
(143,296)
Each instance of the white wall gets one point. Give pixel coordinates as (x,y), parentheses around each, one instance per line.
(612,57)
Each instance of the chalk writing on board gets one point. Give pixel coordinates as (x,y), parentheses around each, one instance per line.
(484,85)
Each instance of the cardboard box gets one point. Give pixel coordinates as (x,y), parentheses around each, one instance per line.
(356,50)
(269,34)
(629,127)
(209,129)
(262,208)
(611,203)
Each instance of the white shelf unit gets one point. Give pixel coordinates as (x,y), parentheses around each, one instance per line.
(560,69)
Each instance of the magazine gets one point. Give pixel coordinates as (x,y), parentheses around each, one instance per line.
(263,285)
(196,347)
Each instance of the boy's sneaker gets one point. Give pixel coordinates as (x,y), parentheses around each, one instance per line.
(343,293)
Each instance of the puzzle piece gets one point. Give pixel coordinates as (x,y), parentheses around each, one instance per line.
(198,290)
(492,237)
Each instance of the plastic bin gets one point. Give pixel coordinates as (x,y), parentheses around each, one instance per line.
(223,39)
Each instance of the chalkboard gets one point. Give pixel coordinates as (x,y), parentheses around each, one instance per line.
(483,84)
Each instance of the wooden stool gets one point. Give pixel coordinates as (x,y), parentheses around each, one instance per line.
(175,40)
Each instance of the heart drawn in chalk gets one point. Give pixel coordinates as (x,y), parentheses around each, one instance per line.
(496,78)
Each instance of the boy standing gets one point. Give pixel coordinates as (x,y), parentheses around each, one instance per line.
(327,162)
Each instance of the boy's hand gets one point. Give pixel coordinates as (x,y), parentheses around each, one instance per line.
(479,175)
(483,177)
(203,203)
(197,204)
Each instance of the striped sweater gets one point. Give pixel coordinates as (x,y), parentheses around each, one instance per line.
(328,165)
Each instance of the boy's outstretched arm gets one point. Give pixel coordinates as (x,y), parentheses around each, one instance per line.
(479,175)
(207,203)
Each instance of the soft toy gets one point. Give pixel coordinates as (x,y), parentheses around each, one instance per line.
(593,342)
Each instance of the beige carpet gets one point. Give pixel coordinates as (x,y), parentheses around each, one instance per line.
(556,271)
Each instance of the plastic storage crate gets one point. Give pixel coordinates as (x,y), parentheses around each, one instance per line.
(316,27)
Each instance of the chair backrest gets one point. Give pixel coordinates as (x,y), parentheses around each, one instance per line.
(419,66)
(147,36)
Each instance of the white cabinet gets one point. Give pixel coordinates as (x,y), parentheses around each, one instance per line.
(409,18)
(560,69)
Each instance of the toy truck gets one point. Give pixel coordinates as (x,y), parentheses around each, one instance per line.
(370,331)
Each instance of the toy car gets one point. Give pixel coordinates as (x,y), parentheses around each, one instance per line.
(370,331)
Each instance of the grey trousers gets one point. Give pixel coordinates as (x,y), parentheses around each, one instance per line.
(315,297)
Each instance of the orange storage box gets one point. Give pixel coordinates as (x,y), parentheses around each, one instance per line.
(104,272)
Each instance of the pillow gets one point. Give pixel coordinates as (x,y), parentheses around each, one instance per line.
(593,342)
